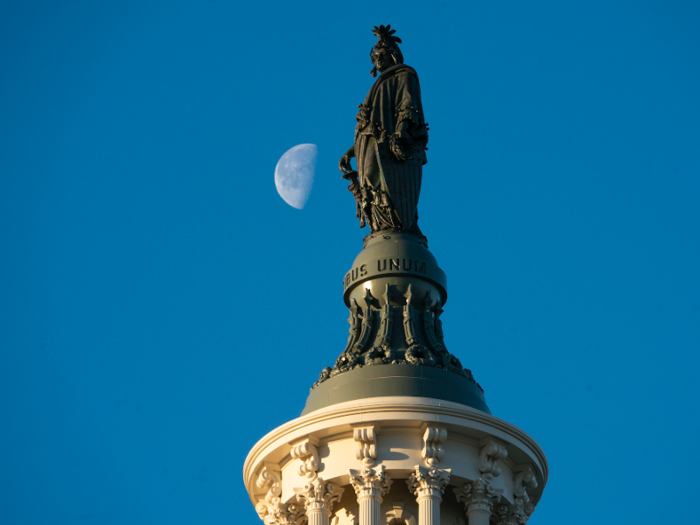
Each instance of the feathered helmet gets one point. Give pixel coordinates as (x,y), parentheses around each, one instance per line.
(388,41)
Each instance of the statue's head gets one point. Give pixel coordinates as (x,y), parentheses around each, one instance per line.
(385,52)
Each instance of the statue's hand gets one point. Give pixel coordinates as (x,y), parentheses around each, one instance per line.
(400,146)
(344,164)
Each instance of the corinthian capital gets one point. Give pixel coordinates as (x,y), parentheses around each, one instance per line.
(276,513)
(428,482)
(370,482)
(478,495)
(317,495)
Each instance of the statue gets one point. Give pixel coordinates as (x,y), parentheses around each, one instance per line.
(390,142)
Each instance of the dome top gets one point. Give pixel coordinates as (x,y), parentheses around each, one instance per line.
(395,291)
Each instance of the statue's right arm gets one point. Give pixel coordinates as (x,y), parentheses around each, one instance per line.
(344,163)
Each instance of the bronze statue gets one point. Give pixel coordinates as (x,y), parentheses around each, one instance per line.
(390,142)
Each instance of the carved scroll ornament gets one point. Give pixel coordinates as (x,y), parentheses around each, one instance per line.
(307,452)
(366,441)
(488,458)
(432,452)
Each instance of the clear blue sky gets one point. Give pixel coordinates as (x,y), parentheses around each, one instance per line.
(162,308)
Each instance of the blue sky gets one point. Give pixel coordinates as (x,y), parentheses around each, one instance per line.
(162,308)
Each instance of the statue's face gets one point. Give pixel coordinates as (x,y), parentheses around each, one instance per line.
(382,59)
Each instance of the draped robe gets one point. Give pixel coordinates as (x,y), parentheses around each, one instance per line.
(389,187)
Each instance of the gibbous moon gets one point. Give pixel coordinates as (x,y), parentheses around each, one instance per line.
(294,174)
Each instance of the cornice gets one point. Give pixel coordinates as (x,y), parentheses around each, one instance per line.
(392,408)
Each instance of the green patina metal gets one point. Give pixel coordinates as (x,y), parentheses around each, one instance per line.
(396,380)
(395,289)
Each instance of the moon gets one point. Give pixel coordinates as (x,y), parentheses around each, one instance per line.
(294,174)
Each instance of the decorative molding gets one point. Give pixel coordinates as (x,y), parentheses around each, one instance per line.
(479,495)
(433,452)
(416,354)
(381,352)
(414,411)
(306,451)
(428,482)
(386,320)
(366,441)
(488,458)
(367,322)
(371,483)
(409,319)
(317,495)
(355,326)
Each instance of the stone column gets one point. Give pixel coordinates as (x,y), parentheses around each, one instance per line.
(428,484)
(370,485)
(318,497)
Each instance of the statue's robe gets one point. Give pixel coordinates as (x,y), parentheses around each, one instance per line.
(390,187)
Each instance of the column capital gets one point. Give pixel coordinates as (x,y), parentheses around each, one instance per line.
(270,508)
(428,482)
(370,483)
(479,495)
(276,513)
(318,495)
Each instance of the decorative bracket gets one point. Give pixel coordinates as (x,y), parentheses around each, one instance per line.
(269,508)
(523,481)
(270,480)
(366,441)
(522,508)
(490,453)
(306,451)
(433,452)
